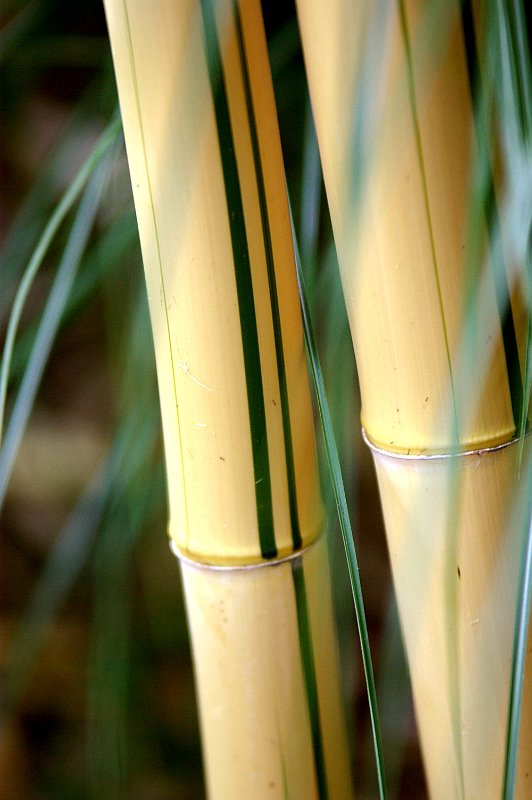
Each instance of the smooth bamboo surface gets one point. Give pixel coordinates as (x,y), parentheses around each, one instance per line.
(217,250)
(256,661)
(208,181)
(439,337)
(400,223)
(456,570)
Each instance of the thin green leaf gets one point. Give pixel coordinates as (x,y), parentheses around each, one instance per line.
(524,604)
(106,256)
(113,486)
(61,160)
(345,524)
(50,322)
(110,657)
(310,195)
(395,697)
(62,209)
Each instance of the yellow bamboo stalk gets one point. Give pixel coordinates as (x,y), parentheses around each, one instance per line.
(178,185)
(455,564)
(398,196)
(245,510)
(416,192)
(257,732)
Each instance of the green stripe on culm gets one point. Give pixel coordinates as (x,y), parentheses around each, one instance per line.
(268,250)
(338,488)
(500,280)
(244,286)
(309,672)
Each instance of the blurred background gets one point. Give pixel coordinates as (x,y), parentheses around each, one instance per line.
(97,687)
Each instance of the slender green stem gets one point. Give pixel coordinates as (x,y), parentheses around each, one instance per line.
(343,516)
(51,318)
(61,210)
(524,604)
(310,195)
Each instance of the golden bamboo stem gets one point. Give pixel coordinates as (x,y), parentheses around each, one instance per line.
(398,188)
(208,182)
(456,566)
(251,679)
(178,183)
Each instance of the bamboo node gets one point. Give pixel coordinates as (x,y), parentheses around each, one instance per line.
(409,456)
(272,562)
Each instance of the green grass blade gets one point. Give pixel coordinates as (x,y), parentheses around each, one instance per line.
(50,322)
(59,167)
(113,487)
(395,696)
(110,652)
(138,493)
(345,524)
(310,196)
(524,605)
(513,81)
(62,209)
(106,255)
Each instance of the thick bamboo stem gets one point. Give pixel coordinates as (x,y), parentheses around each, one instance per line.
(267,679)
(438,334)
(455,562)
(208,182)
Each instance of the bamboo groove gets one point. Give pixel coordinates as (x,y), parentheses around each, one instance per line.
(208,182)
(438,339)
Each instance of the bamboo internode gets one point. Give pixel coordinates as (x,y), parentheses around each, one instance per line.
(208,182)
(439,337)
(254,669)
(398,189)
(456,572)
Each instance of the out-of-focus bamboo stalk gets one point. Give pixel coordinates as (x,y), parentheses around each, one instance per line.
(438,335)
(245,510)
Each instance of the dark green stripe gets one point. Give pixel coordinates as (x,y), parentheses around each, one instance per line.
(244,286)
(309,672)
(513,17)
(278,336)
(500,280)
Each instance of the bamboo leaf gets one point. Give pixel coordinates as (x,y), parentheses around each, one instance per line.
(310,195)
(62,209)
(49,324)
(345,524)
(524,604)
